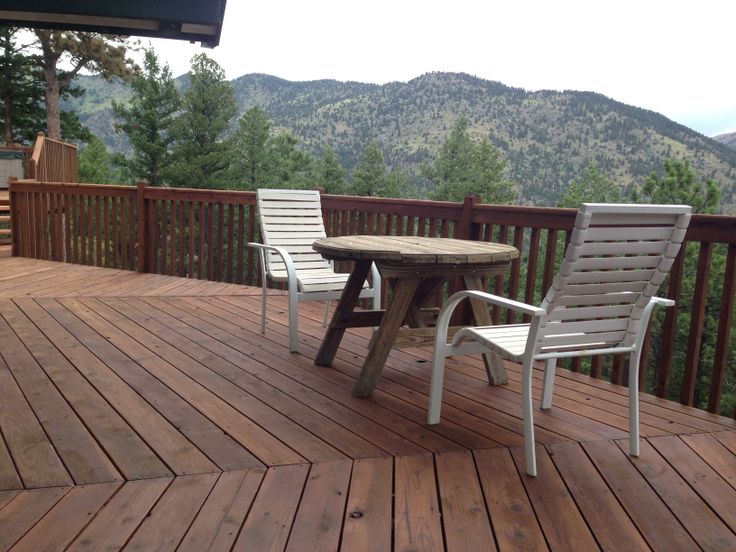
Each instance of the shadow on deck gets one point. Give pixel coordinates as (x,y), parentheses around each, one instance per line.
(148,412)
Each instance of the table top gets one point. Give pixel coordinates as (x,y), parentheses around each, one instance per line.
(414,250)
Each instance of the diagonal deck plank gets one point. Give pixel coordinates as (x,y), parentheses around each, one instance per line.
(192,431)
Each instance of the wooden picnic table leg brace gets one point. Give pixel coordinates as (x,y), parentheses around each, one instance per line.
(383,341)
(345,305)
(493,361)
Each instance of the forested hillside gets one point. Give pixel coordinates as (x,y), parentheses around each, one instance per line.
(548,137)
(728,139)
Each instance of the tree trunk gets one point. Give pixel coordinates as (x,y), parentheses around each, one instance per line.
(8,122)
(53,121)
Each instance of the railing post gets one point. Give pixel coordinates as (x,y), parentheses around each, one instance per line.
(14,218)
(142,218)
(467,231)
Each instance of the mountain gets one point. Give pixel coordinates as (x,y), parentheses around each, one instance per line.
(547,136)
(728,139)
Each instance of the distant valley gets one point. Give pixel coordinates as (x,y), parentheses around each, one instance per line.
(548,137)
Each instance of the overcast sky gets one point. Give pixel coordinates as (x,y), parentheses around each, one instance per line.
(673,57)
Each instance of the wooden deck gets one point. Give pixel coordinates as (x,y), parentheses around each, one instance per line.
(148,413)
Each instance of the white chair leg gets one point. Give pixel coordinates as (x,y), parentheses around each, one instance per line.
(436,383)
(634,403)
(549,383)
(293,318)
(327,313)
(530,455)
(263,308)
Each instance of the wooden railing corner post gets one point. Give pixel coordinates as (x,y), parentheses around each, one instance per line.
(142,220)
(467,231)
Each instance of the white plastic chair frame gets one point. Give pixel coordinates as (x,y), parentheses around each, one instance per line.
(600,303)
(291,220)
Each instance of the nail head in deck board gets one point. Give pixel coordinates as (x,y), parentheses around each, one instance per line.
(22,513)
(188,380)
(655,521)
(464,514)
(512,516)
(270,519)
(693,513)
(219,521)
(562,523)
(116,521)
(367,525)
(204,433)
(163,529)
(417,519)
(67,518)
(35,458)
(318,520)
(700,476)
(160,434)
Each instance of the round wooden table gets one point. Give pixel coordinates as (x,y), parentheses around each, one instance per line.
(417,267)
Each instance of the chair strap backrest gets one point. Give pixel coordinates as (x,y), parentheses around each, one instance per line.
(617,258)
(291,219)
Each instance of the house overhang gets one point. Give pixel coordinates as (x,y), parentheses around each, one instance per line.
(192,20)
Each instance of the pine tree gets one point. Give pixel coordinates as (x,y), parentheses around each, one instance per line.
(680,185)
(463,167)
(147,118)
(201,155)
(329,172)
(290,166)
(251,164)
(95,163)
(370,172)
(21,92)
(371,177)
(593,187)
(101,54)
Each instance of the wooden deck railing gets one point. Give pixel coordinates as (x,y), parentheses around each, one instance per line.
(203,234)
(52,161)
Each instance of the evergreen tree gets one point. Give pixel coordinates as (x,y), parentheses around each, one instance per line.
(21,92)
(251,163)
(201,157)
(371,177)
(330,174)
(593,187)
(95,163)
(370,172)
(147,118)
(102,54)
(680,185)
(290,166)
(463,167)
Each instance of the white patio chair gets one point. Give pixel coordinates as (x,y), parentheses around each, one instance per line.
(291,220)
(599,303)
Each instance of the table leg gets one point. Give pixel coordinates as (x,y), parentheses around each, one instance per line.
(384,339)
(493,361)
(346,304)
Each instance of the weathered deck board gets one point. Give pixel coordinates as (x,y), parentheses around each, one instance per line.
(148,412)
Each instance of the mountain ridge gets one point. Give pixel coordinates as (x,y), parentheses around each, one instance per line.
(547,136)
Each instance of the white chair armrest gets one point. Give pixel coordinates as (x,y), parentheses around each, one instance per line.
(663,301)
(284,254)
(443,320)
(496,300)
